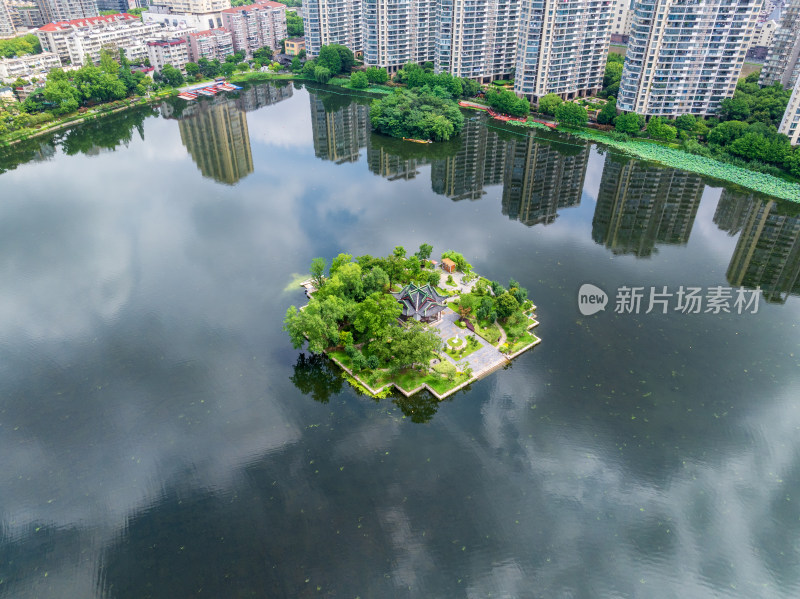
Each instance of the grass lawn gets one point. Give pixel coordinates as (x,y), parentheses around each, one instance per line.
(445,293)
(523,341)
(460,354)
(490,332)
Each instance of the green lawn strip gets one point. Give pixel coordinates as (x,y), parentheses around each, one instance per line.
(445,293)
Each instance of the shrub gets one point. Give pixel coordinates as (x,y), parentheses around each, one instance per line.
(358,80)
(373,362)
(359,361)
(572,114)
(377,75)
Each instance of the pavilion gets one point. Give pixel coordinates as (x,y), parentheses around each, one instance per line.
(423,303)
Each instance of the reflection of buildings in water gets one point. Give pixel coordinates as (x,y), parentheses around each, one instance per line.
(639,205)
(540,180)
(339,135)
(390,166)
(731,210)
(215,134)
(767,252)
(259,96)
(479,162)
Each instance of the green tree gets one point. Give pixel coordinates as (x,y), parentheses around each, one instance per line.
(61,94)
(358,80)
(309,67)
(264,54)
(734,109)
(507,102)
(377,75)
(406,113)
(294,24)
(572,114)
(375,315)
(630,123)
(686,122)
(505,305)
(318,272)
(413,346)
(192,69)
(322,74)
(346,58)
(329,59)
(425,251)
(172,76)
(297,65)
(107,63)
(375,280)
(657,129)
(727,132)
(549,103)
(608,113)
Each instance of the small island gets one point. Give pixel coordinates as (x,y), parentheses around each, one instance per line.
(424,115)
(410,322)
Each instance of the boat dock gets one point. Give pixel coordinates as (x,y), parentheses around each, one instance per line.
(208,90)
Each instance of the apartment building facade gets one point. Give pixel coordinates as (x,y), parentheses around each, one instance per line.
(256,25)
(173,52)
(685,57)
(790,123)
(28,65)
(332,22)
(397,32)
(477,40)
(7,27)
(210,44)
(73,40)
(67,10)
(783,58)
(562,47)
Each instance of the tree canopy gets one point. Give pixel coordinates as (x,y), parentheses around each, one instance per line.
(423,115)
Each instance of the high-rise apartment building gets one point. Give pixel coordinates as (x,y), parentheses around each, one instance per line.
(790,123)
(174,52)
(622,17)
(255,26)
(67,10)
(7,28)
(332,22)
(397,31)
(685,56)
(562,47)
(477,40)
(783,58)
(210,44)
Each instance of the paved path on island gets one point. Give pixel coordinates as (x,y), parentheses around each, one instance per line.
(482,360)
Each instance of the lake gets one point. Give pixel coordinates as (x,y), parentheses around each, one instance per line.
(161,438)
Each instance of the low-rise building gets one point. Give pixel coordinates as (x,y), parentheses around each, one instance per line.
(295,45)
(28,66)
(174,52)
(210,44)
(255,26)
(74,40)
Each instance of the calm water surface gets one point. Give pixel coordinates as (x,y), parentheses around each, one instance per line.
(160,437)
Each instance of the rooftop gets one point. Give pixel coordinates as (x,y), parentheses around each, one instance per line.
(258,4)
(208,32)
(88,22)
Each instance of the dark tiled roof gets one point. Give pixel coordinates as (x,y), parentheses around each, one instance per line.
(420,302)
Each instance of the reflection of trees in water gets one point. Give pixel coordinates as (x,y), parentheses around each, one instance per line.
(316,375)
(106,133)
(420,407)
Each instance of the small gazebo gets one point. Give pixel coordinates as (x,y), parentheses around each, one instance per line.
(423,303)
(448,265)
